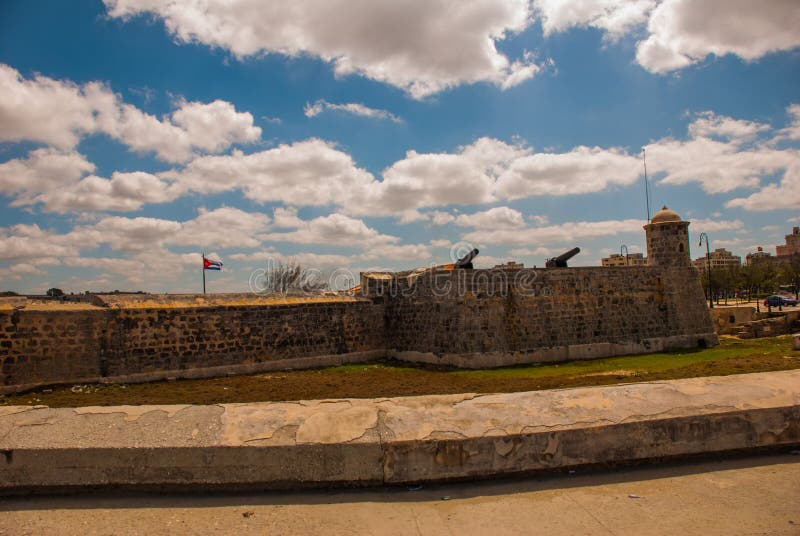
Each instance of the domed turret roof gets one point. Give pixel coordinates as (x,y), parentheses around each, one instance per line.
(665,215)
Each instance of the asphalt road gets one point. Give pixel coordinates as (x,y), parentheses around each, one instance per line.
(755,495)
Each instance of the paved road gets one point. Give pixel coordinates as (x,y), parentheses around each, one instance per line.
(757,495)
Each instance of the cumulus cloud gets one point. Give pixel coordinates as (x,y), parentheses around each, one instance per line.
(684,32)
(333,229)
(710,226)
(792,131)
(123,192)
(783,195)
(420,46)
(709,124)
(43,170)
(225,227)
(60,113)
(56,180)
(24,241)
(681,33)
(722,164)
(494,218)
(313,110)
(465,177)
(406,252)
(581,170)
(563,233)
(311,172)
(615,17)
(127,234)
(308,259)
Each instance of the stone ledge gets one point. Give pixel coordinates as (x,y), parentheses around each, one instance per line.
(392,440)
(557,354)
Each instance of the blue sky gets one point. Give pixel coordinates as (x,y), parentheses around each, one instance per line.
(360,135)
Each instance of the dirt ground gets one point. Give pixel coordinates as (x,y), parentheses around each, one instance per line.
(390,379)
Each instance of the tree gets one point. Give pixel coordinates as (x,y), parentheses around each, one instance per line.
(8,293)
(55,292)
(789,274)
(726,281)
(284,278)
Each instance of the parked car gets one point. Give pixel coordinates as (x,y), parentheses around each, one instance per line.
(777,300)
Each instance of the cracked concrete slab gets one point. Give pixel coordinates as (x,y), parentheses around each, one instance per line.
(397,440)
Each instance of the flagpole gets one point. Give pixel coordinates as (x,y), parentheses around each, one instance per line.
(204,272)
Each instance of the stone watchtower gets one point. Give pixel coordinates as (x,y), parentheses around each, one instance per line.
(667,239)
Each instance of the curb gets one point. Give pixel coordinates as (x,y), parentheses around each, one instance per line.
(358,442)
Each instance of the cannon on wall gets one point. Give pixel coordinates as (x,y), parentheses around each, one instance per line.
(561,260)
(465,262)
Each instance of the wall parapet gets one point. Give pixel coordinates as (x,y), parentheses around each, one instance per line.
(464,318)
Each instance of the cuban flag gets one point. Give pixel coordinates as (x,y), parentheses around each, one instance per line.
(211,265)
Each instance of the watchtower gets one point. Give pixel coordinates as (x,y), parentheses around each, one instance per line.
(667,239)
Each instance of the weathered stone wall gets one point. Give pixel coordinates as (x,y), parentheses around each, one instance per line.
(729,320)
(478,318)
(45,346)
(130,344)
(467,318)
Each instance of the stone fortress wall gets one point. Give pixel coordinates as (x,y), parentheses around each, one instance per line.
(466,318)
(128,342)
(488,318)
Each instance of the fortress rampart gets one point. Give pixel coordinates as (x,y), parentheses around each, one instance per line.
(128,342)
(486,318)
(460,317)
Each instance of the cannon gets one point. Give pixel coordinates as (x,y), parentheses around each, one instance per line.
(465,262)
(561,260)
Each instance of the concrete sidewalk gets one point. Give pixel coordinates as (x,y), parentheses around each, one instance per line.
(392,441)
(743,496)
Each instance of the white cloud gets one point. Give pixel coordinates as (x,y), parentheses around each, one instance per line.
(56,180)
(536,252)
(215,126)
(710,226)
(333,229)
(16,272)
(129,234)
(225,227)
(708,124)
(406,252)
(684,32)
(718,165)
(438,179)
(581,170)
(494,218)
(42,109)
(308,259)
(439,217)
(122,193)
(43,170)
(792,131)
(306,173)
(420,46)
(24,241)
(567,233)
(615,17)
(61,113)
(784,195)
(313,110)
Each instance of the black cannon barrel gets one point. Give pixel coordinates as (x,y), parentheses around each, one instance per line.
(465,262)
(561,260)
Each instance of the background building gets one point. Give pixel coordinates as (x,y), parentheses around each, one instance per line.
(720,258)
(758,256)
(633,259)
(792,246)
